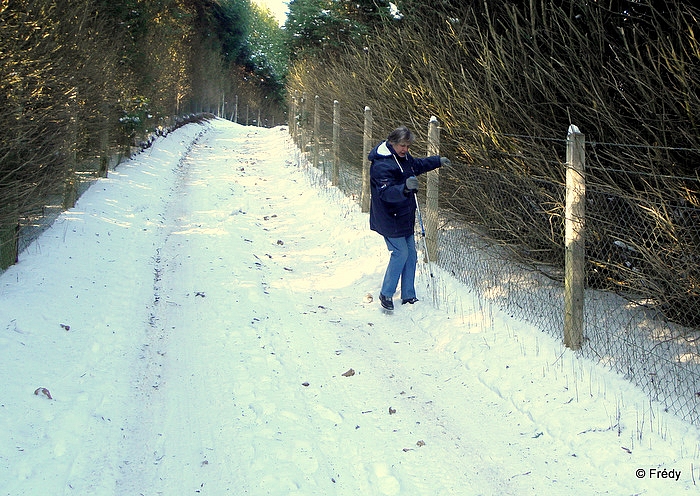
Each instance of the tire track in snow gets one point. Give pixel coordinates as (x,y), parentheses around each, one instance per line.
(222,437)
(144,433)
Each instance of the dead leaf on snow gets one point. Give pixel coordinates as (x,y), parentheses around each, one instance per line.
(43,391)
(349,373)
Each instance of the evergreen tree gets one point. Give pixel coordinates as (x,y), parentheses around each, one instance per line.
(322,28)
(267,49)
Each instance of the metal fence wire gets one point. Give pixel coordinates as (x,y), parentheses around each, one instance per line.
(504,239)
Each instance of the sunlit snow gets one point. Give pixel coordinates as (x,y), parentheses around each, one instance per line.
(205,321)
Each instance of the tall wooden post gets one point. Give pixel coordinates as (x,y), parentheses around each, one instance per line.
(103,171)
(70,190)
(9,233)
(366,148)
(303,125)
(317,125)
(336,144)
(235,112)
(575,261)
(291,119)
(432,191)
(294,118)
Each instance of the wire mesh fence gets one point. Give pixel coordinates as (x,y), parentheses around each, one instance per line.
(504,239)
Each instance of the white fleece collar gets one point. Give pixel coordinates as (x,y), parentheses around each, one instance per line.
(383,150)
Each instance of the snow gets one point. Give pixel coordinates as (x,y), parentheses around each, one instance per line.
(202,322)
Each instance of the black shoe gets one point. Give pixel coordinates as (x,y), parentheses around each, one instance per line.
(410,300)
(386,302)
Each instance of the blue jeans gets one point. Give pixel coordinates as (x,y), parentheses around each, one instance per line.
(402,264)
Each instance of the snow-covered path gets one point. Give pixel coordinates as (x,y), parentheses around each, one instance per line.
(200,322)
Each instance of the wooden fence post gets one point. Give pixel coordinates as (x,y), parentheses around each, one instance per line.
(293,118)
(9,235)
(235,111)
(70,183)
(103,171)
(432,191)
(317,125)
(303,131)
(575,262)
(336,144)
(366,148)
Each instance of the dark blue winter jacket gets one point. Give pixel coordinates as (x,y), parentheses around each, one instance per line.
(393,210)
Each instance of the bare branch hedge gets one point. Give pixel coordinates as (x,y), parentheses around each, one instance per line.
(506,79)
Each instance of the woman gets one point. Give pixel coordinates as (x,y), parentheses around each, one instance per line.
(392,212)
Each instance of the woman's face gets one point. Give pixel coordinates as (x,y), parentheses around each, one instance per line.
(401,149)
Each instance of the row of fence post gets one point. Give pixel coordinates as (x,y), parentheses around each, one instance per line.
(237,109)
(574,211)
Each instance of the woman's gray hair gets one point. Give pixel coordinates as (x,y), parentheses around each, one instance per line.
(401,136)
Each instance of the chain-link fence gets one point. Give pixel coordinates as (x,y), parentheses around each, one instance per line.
(628,318)
(504,238)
